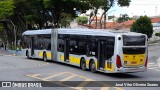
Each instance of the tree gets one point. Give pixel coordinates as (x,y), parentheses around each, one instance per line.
(82,20)
(105,5)
(6,11)
(143,25)
(65,20)
(56,7)
(38,14)
(123,18)
(6,8)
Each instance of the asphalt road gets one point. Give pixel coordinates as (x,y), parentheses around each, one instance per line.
(18,68)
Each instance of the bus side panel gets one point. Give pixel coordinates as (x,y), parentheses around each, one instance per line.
(54,36)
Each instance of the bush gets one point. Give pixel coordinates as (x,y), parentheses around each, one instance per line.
(157,34)
(82,20)
(143,25)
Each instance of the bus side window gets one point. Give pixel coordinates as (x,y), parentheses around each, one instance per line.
(60,47)
(110,47)
(92,48)
(49,46)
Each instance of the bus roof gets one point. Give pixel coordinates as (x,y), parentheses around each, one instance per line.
(36,32)
(96,32)
(69,31)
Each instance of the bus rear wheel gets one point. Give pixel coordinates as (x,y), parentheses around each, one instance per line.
(83,65)
(93,66)
(44,57)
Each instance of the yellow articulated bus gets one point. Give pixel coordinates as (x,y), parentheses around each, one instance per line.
(97,50)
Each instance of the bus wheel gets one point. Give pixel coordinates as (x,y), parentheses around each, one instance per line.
(44,57)
(83,65)
(93,66)
(27,54)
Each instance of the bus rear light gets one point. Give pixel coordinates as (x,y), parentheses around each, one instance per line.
(118,61)
(146,62)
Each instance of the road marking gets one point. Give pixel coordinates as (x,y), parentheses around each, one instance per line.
(52,76)
(68,78)
(79,76)
(80,86)
(105,88)
(34,75)
(117,88)
(152,65)
(153,68)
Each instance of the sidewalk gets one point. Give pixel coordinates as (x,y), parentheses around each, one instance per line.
(8,52)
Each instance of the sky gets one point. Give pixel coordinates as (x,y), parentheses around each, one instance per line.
(137,7)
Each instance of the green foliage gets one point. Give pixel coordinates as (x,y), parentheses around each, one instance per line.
(123,18)
(30,17)
(26,14)
(124,2)
(1,27)
(47,3)
(6,8)
(82,20)
(65,19)
(157,34)
(143,25)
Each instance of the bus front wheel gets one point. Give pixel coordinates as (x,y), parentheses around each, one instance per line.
(44,57)
(27,54)
(93,66)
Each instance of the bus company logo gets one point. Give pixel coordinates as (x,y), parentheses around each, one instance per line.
(6,84)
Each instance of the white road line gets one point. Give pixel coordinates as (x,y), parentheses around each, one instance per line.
(153,65)
(153,68)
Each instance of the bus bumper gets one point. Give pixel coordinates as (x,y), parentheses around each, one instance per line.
(132,69)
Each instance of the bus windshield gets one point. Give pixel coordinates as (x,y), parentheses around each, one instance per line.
(133,40)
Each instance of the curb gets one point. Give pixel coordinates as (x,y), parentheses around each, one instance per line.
(5,55)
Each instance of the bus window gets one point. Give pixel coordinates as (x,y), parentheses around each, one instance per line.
(49,46)
(60,46)
(134,40)
(93,47)
(110,47)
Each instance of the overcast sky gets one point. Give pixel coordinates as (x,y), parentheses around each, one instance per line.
(138,7)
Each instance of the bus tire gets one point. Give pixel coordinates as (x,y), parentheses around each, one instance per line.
(27,54)
(83,64)
(45,57)
(92,66)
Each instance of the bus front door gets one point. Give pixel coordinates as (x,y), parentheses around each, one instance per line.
(32,46)
(66,50)
(101,54)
